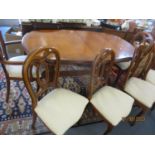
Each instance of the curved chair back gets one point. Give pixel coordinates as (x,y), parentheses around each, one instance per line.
(141,37)
(43,66)
(101,70)
(142,60)
(3,52)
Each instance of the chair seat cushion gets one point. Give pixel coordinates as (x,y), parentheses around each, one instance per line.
(141,90)
(61,109)
(150,77)
(16,70)
(124,65)
(112,103)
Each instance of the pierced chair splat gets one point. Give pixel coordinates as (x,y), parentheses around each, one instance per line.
(150,76)
(111,103)
(141,90)
(137,40)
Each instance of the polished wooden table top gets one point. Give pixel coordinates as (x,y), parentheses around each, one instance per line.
(77,46)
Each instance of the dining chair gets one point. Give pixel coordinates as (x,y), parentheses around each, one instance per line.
(134,83)
(60,108)
(12,67)
(138,39)
(150,76)
(111,103)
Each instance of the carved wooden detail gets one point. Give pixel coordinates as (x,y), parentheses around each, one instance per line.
(142,59)
(37,66)
(101,70)
(141,37)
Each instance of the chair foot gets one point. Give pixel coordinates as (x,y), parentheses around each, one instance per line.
(132,123)
(153,107)
(33,126)
(34,121)
(109,128)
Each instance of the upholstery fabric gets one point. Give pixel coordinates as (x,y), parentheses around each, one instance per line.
(61,109)
(150,77)
(124,65)
(141,90)
(112,103)
(15,70)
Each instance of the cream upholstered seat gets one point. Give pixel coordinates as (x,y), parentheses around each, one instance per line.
(124,65)
(61,109)
(16,70)
(141,90)
(150,77)
(112,103)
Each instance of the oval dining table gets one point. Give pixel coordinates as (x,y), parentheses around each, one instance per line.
(77,47)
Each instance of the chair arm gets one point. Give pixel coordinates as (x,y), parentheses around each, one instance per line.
(13,42)
(12,62)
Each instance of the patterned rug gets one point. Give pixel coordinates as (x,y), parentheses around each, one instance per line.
(22,126)
(16,116)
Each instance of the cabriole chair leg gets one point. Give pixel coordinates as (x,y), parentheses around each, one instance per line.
(8,90)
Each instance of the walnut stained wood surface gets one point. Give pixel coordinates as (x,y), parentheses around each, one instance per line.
(77,46)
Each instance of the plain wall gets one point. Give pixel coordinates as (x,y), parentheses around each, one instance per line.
(9,22)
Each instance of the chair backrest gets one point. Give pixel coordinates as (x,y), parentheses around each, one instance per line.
(141,37)
(43,66)
(101,70)
(3,52)
(141,61)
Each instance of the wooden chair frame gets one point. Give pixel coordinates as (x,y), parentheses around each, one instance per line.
(4,61)
(100,76)
(139,38)
(101,69)
(140,65)
(100,63)
(38,59)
